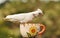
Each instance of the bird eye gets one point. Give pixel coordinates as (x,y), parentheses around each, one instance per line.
(39,13)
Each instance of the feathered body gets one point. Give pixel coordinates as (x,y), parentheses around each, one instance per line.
(24,17)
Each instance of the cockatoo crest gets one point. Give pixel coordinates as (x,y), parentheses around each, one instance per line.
(40,10)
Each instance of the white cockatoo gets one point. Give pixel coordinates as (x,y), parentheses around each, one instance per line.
(24,17)
(2,1)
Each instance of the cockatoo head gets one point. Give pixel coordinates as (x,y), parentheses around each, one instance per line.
(38,12)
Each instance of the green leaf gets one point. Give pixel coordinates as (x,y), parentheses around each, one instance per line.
(29,35)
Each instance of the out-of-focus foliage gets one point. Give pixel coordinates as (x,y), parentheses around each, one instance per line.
(51,18)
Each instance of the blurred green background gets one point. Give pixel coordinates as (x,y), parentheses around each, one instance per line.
(51,18)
